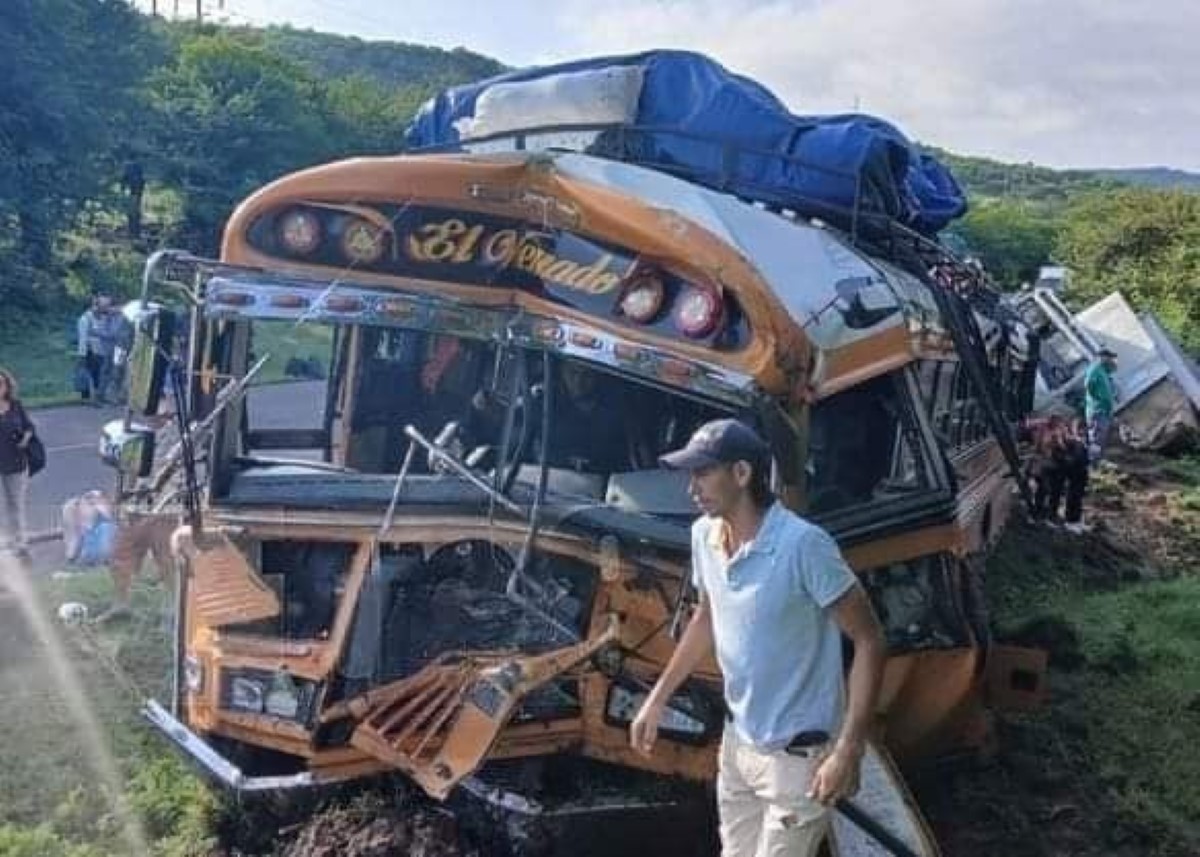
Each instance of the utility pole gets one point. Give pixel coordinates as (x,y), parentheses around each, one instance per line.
(199,11)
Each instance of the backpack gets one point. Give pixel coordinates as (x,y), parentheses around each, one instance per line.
(35,456)
(96,545)
(35,453)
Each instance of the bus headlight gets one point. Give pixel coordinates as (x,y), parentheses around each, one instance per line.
(643,298)
(246,694)
(698,312)
(300,232)
(283,697)
(274,693)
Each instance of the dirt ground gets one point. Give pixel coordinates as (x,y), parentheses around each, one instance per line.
(369,827)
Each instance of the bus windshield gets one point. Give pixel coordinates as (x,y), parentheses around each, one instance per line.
(487,403)
(503,411)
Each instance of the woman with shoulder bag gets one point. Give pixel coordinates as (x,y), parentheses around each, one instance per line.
(16,441)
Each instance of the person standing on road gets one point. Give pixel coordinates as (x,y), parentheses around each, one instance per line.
(774,594)
(1099,401)
(87,359)
(16,433)
(97,332)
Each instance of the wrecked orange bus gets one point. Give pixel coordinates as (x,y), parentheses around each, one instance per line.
(464,564)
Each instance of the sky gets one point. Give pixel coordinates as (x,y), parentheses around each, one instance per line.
(1063,83)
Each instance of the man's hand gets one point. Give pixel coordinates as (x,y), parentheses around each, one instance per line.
(836,776)
(695,644)
(643,731)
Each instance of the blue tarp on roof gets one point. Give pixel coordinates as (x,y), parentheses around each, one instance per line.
(698,120)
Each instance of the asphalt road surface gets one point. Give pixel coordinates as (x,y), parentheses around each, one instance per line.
(72,433)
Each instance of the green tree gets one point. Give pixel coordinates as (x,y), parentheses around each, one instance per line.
(1146,243)
(1010,239)
(70,72)
(232,116)
(367,119)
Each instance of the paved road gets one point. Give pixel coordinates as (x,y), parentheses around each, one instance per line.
(71,434)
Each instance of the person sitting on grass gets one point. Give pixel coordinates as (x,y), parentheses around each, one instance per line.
(93,536)
(89,527)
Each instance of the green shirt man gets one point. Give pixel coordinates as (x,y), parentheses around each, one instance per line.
(1099,402)
(1100,397)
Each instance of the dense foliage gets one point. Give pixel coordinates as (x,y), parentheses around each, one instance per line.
(70,72)
(119,133)
(1011,238)
(1145,243)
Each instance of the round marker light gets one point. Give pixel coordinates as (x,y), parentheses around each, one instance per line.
(643,299)
(300,232)
(697,312)
(363,242)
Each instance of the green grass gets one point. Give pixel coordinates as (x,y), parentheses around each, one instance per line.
(1186,471)
(1142,704)
(36,350)
(285,340)
(1125,657)
(50,803)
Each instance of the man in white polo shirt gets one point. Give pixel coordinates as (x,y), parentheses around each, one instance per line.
(775,598)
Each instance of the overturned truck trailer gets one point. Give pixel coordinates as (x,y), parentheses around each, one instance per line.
(1157,383)
(465,563)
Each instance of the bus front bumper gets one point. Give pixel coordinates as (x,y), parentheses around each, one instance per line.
(211,762)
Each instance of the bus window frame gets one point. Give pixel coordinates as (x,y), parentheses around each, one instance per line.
(935,478)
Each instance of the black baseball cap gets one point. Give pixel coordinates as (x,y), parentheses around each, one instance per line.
(718,442)
(1107,352)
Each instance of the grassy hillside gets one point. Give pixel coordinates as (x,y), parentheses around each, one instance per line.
(1155,177)
(983,178)
(1107,766)
(1047,188)
(390,64)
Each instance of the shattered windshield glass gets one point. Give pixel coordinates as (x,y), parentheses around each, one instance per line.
(485,404)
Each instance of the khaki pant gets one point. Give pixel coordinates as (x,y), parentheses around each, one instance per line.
(1099,429)
(13,487)
(762,803)
(137,537)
